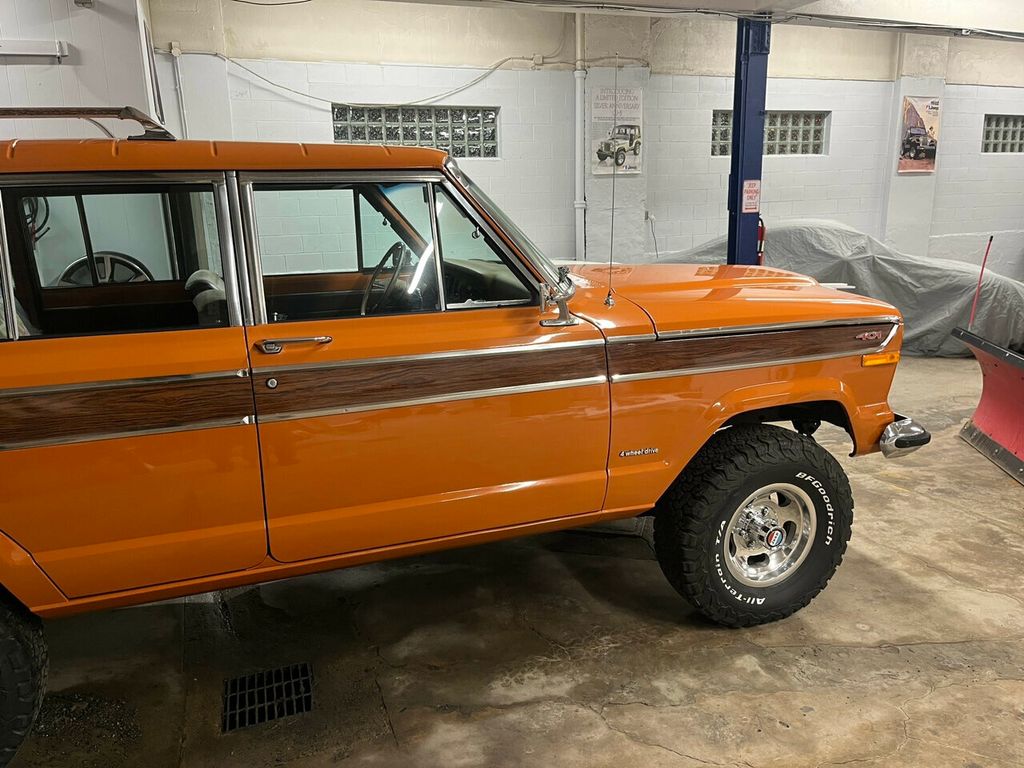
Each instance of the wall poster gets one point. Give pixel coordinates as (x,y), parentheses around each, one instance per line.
(919,139)
(616,131)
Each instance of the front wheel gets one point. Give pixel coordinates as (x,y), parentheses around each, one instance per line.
(620,157)
(756,526)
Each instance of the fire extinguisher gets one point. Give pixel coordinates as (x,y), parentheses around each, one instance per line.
(760,241)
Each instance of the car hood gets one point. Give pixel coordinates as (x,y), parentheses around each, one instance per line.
(685,297)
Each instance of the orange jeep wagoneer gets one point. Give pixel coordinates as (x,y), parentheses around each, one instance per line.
(225,363)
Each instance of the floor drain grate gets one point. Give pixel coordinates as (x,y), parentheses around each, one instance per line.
(269,695)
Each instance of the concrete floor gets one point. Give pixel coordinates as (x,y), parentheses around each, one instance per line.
(572,650)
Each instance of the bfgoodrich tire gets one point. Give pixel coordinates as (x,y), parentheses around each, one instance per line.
(756,526)
(23,665)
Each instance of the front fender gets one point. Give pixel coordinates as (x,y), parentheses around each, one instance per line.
(659,425)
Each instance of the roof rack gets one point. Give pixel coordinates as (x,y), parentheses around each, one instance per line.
(152,129)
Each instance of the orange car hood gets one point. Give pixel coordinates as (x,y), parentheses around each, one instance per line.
(696,296)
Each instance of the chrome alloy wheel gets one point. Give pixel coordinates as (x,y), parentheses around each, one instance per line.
(770,535)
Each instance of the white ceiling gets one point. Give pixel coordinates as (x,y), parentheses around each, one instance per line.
(1004,15)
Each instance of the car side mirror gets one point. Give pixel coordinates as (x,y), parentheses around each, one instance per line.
(550,296)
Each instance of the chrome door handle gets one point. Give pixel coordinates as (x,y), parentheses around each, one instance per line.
(274,346)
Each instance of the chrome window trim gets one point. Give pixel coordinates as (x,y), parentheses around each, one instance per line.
(95,436)
(737,330)
(7,281)
(474,394)
(448,355)
(107,177)
(438,262)
(227,251)
(46,389)
(514,258)
(240,250)
(254,261)
(471,304)
(339,176)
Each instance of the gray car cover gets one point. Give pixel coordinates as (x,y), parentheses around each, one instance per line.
(934,295)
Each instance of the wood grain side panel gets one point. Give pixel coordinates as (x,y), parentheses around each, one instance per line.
(750,349)
(112,410)
(384,382)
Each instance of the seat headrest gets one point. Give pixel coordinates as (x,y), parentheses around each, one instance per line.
(204,280)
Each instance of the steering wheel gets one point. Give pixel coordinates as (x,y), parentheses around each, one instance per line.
(399,255)
(111,267)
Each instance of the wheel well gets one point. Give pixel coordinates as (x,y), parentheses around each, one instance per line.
(800,413)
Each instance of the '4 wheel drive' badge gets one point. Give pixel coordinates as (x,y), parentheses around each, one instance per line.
(775,538)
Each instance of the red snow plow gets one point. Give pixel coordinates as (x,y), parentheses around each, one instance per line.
(997,428)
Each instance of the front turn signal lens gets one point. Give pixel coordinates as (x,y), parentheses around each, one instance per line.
(880,358)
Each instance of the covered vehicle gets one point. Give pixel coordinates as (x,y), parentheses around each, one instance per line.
(934,295)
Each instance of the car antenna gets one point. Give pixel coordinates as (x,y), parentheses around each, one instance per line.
(609,300)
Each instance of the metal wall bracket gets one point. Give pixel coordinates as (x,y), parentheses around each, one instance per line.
(56,49)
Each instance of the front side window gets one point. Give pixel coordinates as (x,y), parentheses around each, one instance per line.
(345,250)
(93,260)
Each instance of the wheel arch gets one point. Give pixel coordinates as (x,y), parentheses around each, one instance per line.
(828,411)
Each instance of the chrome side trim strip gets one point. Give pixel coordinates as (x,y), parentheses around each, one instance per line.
(736,330)
(194,426)
(635,337)
(459,353)
(7,305)
(619,378)
(227,252)
(890,337)
(446,398)
(241,373)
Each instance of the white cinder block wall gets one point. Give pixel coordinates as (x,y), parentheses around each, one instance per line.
(686,63)
(978,193)
(532,177)
(687,187)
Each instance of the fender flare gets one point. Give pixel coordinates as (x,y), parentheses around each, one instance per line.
(864,422)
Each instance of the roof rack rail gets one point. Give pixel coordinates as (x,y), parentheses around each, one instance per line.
(152,129)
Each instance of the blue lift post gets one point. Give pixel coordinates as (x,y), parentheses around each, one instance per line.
(753,40)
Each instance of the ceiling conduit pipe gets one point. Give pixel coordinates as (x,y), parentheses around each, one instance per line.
(580,201)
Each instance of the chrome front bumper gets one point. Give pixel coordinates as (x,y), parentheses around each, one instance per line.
(903,436)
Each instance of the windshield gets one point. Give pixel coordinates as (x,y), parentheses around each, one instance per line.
(622,132)
(512,229)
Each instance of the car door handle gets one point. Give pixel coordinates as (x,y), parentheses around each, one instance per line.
(274,346)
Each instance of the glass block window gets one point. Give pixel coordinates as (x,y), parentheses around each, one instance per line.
(785,133)
(462,131)
(1003,133)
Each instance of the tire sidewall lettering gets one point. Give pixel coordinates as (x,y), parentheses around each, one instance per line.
(823,500)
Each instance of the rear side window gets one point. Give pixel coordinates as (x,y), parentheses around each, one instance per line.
(94,260)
